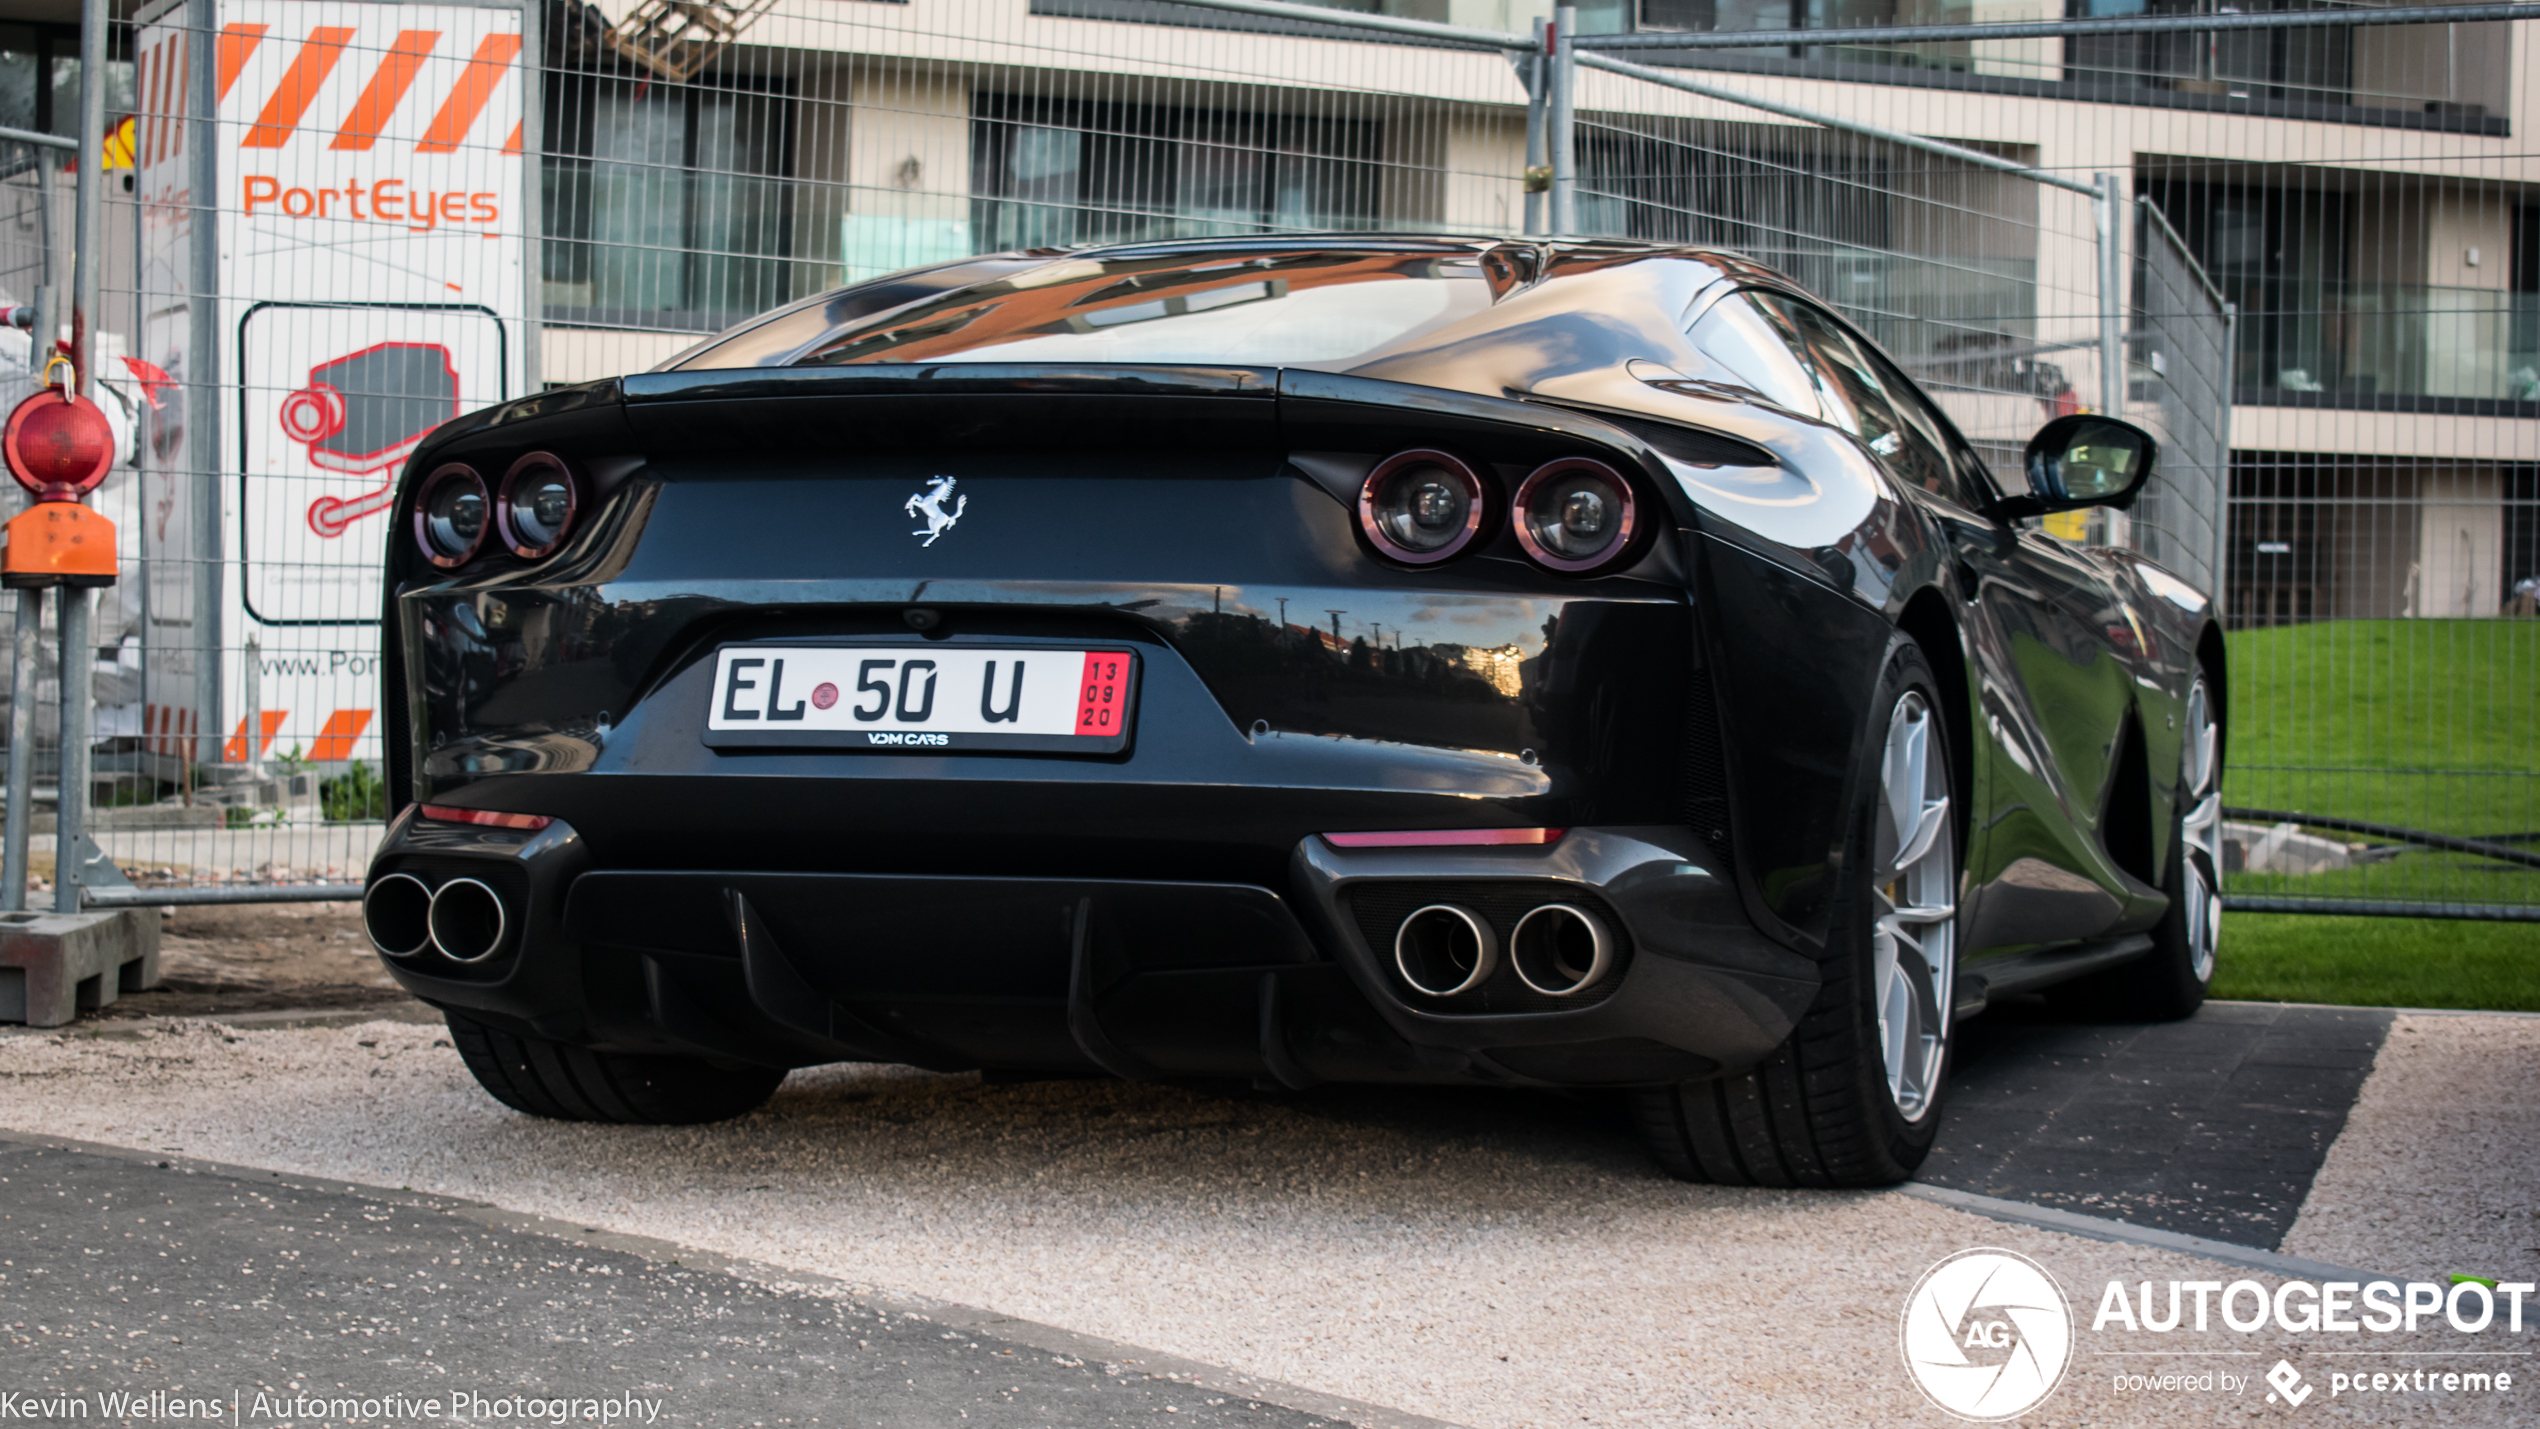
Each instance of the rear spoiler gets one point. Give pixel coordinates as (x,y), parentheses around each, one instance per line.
(1058,405)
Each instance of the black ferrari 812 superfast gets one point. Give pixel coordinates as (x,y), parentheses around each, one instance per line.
(1289,660)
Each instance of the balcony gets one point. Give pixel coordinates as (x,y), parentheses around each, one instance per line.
(2394,347)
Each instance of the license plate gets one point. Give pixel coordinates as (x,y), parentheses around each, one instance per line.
(919,698)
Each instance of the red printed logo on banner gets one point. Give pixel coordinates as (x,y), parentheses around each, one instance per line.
(1104,692)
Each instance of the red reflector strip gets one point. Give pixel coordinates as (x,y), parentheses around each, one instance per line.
(1445,838)
(1103,693)
(445,814)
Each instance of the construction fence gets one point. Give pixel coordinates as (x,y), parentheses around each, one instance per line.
(334,225)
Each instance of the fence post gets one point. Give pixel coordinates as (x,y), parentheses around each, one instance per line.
(48,291)
(533,218)
(202,377)
(88,250)
(24,665)
(2222,477)
(70,800)
(2111,300)
(251,668)
(1563,122)
(88,236)
(1538,83)
(2113,526)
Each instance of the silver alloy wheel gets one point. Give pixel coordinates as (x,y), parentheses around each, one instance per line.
(2201,826)
(1913,944)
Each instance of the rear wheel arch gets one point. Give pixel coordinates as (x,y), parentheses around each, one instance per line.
(1927,618)
(2210,656)
(2127,827)
(1854,1096)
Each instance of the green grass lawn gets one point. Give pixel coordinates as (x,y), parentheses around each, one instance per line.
(2430,724)
(2414,876)
(2380,962)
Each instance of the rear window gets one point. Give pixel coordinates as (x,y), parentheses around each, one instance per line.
(1317,308)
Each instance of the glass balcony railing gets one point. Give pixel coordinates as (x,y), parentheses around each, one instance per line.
(2455,72)
(2375,344)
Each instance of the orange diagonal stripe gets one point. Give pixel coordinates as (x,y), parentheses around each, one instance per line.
(268,723)
(167,99)
(237,42)
(512,144)
(396,74)
(177,100)
(336,740)
(484,70)
(299,86)
(153,104)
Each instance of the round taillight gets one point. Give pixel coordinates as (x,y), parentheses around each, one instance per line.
(452,513)
(539,498)
(58,450)
(1421,507)
(1575,515)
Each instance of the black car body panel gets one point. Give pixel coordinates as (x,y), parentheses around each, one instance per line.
(1692,717)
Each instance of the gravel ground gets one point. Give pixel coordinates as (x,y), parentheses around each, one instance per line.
(1490,1259)
(259,957)
(2438,1171)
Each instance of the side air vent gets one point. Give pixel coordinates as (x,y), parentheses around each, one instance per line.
(1706,793)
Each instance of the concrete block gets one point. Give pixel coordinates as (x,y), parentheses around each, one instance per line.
(2283,848)
(54,965)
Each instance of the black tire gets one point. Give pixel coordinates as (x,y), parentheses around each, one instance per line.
(1820,1111)
(2168,983)
(567,1083)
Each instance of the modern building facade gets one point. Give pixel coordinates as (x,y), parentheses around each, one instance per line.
(2363,195)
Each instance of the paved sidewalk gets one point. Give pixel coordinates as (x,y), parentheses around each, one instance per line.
(126,1275)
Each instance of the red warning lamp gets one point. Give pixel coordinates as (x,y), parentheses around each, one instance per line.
(59,447)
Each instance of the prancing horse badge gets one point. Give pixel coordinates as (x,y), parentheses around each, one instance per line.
(930,504)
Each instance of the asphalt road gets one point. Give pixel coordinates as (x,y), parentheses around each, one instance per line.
(123,1275)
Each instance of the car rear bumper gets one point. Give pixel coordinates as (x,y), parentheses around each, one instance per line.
(1138,977)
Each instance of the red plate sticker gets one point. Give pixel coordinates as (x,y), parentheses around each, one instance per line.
(1103,693)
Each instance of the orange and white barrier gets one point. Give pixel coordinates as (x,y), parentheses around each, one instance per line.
(363,186)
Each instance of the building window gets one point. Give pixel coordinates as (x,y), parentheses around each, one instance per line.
(666,206)
(2280,255)
(1045,172)
(2315,63)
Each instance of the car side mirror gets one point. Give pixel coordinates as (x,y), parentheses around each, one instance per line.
(2083,460)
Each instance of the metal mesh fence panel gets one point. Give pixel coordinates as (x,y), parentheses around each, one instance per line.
(349,221)
(2348,464)
(1979,283)
(35,225)
(2178,385)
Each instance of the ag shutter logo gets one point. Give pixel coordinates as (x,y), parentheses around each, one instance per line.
(1987,1334)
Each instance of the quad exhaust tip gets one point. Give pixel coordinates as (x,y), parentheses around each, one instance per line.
(1561,951)
(1442,950)
(463,918)
(467,920)
(397,913)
